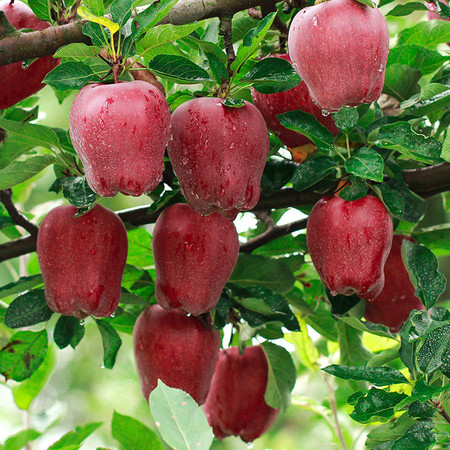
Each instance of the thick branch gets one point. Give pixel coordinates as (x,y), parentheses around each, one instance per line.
(32,45)
(429,180)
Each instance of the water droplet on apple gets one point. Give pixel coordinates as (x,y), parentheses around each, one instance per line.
(333,293)
(314,21)
(325,113)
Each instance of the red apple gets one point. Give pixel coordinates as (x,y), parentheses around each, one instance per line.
(82,260)
(235,404)
(17,83)
(349,243)
(218,154)
(340,49)
(120,132)
(182,351)
(271,105)
(194,257)
(396,301)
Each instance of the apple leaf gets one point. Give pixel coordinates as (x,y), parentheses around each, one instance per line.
(133,434)
(111,342)
(367,2)
(433,350)
(20,440)
(388,432)
(74,439)
(78,192)
(346,119)
(68,331)
(77,51)
(281,376)
(422,265)
(430,104)
(366,163)
(356,190)
(418,410)
(233,102)
(23,354)
(140,248)
(393,200)
(415,206)
(401,81)
(416,56)
(96,6)
(98,35)
(217,67)
(436,238)
(179,419)
(379,376)
(69,75)
(428,33)
(42,9)
(418,436)
(309,126)
(28,309)
(120,12)
(445,154)
(312,171)
(21,285)
(405,10)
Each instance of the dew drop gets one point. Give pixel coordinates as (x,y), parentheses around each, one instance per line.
(325,113)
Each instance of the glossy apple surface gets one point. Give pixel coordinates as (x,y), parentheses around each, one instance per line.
(194,256)
(396,301)
(218,154)
(17,83)
(349,243)
(235,404)
(339,48)
(120,132)
(180,350)
(82,260)
(298,97)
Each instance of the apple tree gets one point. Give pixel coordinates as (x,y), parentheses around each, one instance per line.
(240,206)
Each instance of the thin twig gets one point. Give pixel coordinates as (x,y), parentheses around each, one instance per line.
(225,31)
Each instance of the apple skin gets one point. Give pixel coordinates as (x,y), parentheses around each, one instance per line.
(349,243)
(340,48)
(396,301)
(82,260)
(194,256)
(120,132)
(218,154)
(235,404)
(180,350)
(16,83)
(298,97)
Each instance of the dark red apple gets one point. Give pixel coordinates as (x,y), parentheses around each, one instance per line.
(182,351)
(235,404)
(340,48)
(396,301)
(349,243)
(194,257)
(218,154)
(271,105)
(17,83)
(82,260)
(120,132)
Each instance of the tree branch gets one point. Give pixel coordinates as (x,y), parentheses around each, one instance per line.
(24,46)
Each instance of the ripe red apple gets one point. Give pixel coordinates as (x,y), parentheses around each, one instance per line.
(340,49)
(182,351)
(349,243)
(396,301)
(235,404)
(194,257)
(218,154)
(120,132)
(82,260)
(17,83)
(298,97)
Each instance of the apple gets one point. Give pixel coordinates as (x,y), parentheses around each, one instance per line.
(82,260)
(235,404)
(218,154)
(180,350)
(397,299)
(194,256)
(349,242)
(298,97)
(340,48)
(120,132)
(17,83)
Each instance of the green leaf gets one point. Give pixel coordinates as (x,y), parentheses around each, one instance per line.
(151,15)
(416,56)
(401,81)
(408,8)
(28,309)
(253,270)
(445,154)
(356,190)
(352,351)
(23,354)
(312,171)
(73,439)
(69,75)
(366,163)
(420,436)
(309,126)
(96,33)
(233,102)
(68,331)
(39,135)
(111,342)
(218,68)
(429,101)
(133,434)
(140,248)
(423,266)
(180,420)
(77,51)
(96,6)
(434,238)
(424,392)
(78,192)
(121,11)
(277,172)
(21,171)
(25,392)
(178,69)
(426,33)
(379,376)
(420,410)
(20,440)
(376,405)
(393,200)
(367,2)
(281,376)
(388,431)
(436,345)
(346,119)
(21,285)
(42,9)
(282,246)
